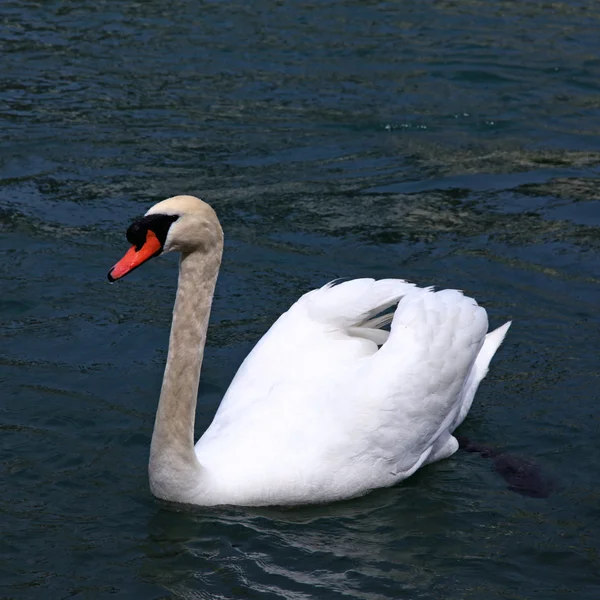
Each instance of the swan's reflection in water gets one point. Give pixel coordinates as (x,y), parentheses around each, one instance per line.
(393,543)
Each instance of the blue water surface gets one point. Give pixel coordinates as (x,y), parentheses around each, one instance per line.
(452,143)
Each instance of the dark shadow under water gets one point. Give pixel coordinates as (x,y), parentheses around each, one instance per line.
(523,475)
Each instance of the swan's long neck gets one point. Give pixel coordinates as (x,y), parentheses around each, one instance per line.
(174,469)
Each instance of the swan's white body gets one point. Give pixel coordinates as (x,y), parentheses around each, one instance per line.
(317,412)
(328,405)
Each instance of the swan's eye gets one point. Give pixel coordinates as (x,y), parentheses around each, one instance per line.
(159,224)
(136,234)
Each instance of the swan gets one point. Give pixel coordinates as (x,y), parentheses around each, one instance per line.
(328,405)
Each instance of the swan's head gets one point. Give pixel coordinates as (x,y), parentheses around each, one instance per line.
(181,224)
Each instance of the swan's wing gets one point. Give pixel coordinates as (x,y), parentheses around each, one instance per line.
(409,394)
(326,330)
(370,419)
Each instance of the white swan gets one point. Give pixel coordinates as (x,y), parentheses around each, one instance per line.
(327,405)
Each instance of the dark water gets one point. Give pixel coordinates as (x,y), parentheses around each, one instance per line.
(452,143)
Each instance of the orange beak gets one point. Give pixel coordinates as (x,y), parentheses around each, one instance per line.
(134,258)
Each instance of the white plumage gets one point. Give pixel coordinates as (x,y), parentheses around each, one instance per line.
(317,412)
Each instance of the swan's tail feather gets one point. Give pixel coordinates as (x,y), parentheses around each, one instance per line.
(480,369)
(489,348)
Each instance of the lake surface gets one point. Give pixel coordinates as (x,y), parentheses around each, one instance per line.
(452,143)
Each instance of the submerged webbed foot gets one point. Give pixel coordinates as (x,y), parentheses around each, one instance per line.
(523,475)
